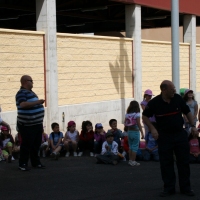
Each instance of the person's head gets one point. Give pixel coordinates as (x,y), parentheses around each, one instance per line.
(148,95)
(188,95)
(109,137)
(55,127)
(4,130)
(133,107)
(86,126)
(113,123)
(125,128)
(26,82)
(168,89)
(98,127)
(71,126)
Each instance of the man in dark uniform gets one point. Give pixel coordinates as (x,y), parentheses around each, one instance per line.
(172,138)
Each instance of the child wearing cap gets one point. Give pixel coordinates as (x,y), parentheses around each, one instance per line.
(99,138)
(146,98)
(6,143)
(117,133)
(71,138)
(109,153)
(190,101)
(86,138)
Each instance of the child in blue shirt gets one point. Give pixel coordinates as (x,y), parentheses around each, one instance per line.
(151,150)
(117,133)
(55,141)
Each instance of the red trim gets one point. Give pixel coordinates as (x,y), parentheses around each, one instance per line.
(132,69)
(185,6)
(45,86)
(168,114)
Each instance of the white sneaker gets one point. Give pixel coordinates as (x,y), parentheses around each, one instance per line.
(91,154)
(12,158)
(75,154)
(133,163)
(43,154)
(80,153)
(67,154)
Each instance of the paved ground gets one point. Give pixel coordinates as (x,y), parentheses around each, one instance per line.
(81,178)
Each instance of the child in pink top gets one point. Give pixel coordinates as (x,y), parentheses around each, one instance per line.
(194,142)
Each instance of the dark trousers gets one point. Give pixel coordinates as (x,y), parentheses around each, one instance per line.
(31,141)
(97,147)
(194,159)
(176,142)
(83,145)
(107,159)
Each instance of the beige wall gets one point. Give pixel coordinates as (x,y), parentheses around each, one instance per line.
(156,65)
(92,69)
(198,68)
(20,53)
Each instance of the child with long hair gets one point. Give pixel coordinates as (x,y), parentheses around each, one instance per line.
(71,139)
(190,101)
(86,138)
(194,143)
(146,98)
(132,121)
(6,143)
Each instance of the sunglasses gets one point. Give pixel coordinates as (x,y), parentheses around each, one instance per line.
(30,81)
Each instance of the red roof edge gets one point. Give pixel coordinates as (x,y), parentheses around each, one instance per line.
(185,6)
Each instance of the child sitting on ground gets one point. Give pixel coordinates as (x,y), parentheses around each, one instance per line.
(71,138)
(99,138)
(109,153)
(86,138)
(55,141)
(44,144)
(117,133)
(6,143)
(194,142)
(151,150)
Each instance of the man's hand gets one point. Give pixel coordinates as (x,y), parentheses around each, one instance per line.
(154,133)
(41,101)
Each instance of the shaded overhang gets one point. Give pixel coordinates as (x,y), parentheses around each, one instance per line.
(185,6)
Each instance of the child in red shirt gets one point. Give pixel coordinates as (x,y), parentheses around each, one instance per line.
(86,138)
(194,142)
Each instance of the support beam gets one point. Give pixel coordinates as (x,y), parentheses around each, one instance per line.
(133,30)
(46,21)
(189,36)
(175,44)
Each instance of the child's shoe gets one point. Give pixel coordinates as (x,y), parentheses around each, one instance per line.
(57,156)
(91,154)
(67,154)
(53,155)
(75,154)
(43,154)
(12,158)
(80,153)
(133,163)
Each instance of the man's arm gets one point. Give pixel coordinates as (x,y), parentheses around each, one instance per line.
(26,104)
(152,129)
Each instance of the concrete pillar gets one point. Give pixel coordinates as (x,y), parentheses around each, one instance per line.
(133,30)
(189,36)
(46,21)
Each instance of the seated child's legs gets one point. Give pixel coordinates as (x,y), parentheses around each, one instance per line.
(147,155)
(97,147)
(193,159)
(155,156)
(74,145)
(90,145)
(9,147)
(66,145)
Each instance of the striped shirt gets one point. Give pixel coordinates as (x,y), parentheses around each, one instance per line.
(28,116)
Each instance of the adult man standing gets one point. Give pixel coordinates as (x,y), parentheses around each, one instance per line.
(172,138)
(30,123)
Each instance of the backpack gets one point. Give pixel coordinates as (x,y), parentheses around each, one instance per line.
(130,120)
